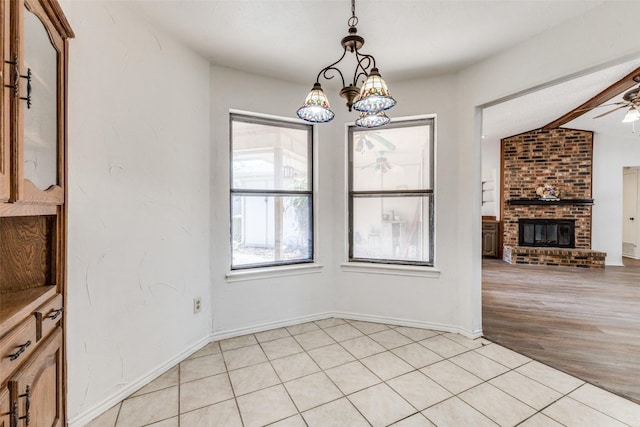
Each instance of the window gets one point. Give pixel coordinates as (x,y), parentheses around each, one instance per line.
(271,192)
(391,193)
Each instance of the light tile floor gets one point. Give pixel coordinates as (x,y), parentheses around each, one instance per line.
(336,372)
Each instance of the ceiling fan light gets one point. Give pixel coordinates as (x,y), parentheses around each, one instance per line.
(372,120)
(632,115)
(374,95)
(316,107)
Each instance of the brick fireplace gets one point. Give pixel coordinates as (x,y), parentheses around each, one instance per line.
(562,158)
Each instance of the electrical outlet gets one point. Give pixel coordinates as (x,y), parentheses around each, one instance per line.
(197,305)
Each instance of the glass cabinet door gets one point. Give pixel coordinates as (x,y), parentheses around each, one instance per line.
(4,99)
(40,115)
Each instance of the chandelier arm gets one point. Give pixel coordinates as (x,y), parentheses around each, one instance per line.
(330,67)
(364,64)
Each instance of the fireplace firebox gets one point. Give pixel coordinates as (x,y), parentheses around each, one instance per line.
(556,233)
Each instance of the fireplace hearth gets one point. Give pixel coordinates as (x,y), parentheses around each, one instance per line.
(554,233)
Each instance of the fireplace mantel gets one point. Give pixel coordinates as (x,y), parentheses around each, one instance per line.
(574,202)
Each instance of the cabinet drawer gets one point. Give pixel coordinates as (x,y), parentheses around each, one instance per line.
(487,226)
(48,316)
(16,346)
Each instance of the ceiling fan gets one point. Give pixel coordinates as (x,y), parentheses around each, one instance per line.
(630,100)
(381,164)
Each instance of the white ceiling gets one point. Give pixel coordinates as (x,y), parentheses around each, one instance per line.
(294,39)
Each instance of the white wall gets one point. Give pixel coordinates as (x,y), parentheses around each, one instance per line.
(138,205)
(259,303)
(610,154)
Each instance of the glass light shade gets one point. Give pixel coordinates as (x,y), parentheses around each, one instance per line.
(374,95)
(316,107)
(372,120)
(632,115)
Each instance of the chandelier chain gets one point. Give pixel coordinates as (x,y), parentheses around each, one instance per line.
(353,21)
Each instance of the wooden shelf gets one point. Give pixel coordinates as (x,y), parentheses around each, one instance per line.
(15,306)
(574,202)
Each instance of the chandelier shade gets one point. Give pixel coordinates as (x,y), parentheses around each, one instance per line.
(371,99)
(374,95)
(373,120)
(316,107)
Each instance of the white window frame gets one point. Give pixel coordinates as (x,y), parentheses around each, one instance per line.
(298,266)
(394,266)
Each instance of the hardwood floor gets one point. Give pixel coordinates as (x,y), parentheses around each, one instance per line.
(583,322)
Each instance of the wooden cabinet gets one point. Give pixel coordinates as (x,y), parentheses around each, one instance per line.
(490,238)
(36,389)
(34,46)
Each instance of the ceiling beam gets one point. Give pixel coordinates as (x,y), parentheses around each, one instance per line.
(626,83)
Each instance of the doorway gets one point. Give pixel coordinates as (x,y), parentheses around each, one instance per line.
(630,220)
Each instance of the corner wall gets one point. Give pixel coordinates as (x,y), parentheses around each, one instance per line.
(398,296)
(138,247)
(270,300)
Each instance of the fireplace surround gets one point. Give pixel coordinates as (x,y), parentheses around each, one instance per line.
(562,158)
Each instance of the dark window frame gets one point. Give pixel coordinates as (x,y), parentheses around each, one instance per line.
(427,194)
(310,193)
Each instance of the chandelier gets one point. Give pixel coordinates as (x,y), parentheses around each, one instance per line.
(371,100)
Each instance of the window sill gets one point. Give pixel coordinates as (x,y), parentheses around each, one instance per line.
(395,270)
(270,272)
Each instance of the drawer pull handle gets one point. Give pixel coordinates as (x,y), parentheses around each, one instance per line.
(15,85)
(27,405)
(54,315)
(21,350)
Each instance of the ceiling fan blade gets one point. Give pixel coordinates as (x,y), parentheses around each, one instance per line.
(611,111)
(384,141)
(603,105)
(370,165)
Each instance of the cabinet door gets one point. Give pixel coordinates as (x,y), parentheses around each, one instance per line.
(37,386)
(4,99)
(5,411)
(489,246)
(38,136)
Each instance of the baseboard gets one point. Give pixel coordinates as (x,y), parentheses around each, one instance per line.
(410,323)
(216,336)
(220,335)
(86,416)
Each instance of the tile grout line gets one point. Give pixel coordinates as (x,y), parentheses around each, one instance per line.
(233,391)
(282,383)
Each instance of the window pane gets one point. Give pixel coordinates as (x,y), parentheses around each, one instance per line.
(270,229)
(270,157)
(391,228)
(392,158)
